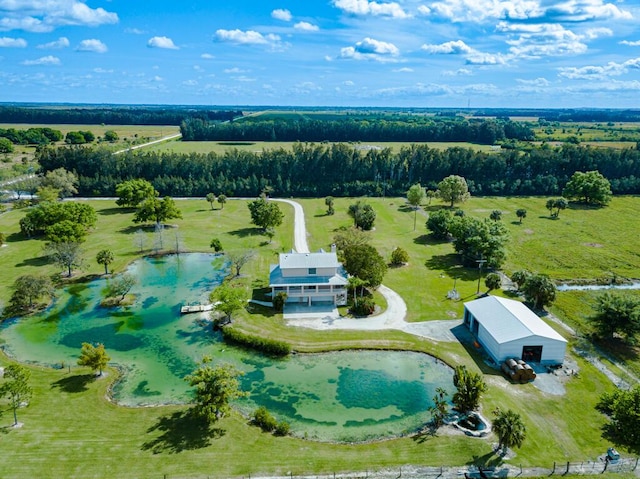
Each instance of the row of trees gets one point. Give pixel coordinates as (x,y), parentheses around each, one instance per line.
(342,170)
(31,136)
(151,115)
(416,129)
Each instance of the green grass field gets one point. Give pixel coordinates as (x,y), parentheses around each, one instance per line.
(71,430)
(220,147)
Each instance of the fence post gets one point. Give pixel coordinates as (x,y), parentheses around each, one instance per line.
(554,469)
(567,471)
(636,466)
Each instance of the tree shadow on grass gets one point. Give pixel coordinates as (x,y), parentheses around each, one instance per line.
(116,211)
(450,265)
(181,431)
(490,460)
(429,432)
(75,383)
(37,261)
(244,232)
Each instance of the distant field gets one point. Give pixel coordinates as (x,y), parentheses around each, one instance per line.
(220,147)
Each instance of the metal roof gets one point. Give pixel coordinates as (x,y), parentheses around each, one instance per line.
(321,259)
(508,320)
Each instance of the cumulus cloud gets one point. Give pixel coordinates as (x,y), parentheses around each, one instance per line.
(306,27)
(539,40)
(455,47)
(365,7)
(458,72)
(424,10)
(207,56)
(528,10)
(459,47)
(601,72)
(635,43)
(45,16)
(92,45)
(282,14)
(62,42)
(536,82)
(249,37)
(370,49)
(48,60)
(7,42)
(162,42)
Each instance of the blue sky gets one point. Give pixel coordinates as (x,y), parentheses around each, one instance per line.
(406,53)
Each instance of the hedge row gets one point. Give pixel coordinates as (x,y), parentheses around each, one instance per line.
(271,347)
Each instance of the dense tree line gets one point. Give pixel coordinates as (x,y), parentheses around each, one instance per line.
(316,170)
(580,114)
(159,115)
(31,136)
(413,129)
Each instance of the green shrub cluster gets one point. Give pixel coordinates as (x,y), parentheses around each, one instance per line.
(268,346)
(265,421)
(363,307)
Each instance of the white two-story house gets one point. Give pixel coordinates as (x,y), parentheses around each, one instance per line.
(310,278)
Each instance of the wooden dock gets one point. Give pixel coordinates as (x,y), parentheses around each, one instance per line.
(196,308)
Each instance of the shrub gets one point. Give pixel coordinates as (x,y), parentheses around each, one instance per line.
(268,346)
(399,257)
(364,307)
(264,420)
(279,300)
(282,429)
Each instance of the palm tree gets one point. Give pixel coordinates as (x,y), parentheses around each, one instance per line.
(521,213)
(105,257)
(510,429)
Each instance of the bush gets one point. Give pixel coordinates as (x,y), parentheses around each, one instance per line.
(279,300)
(264,420)
(399,257)
(282,429)
(268,346)
(216,245)
(364,307)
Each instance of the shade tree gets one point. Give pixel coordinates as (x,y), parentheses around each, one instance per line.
(131,193)
(66,182)
(214,388)
(510,429)
(623,410)
(211,198)
(228,299)
(95,357)
(365,262)
(453,189)
(363,215)
(157,210)
(616,314)
(105,257)
(415,196)
(16,388)
(589,187)
(27,290)
(538,289)
(265,214)
(66,254)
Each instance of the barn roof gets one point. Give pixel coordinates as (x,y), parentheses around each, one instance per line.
(508,320)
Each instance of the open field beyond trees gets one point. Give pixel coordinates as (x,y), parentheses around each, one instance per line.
(70,429)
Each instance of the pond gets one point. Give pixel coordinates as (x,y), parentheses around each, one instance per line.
(341,396)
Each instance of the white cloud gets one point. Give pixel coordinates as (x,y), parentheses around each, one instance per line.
(134,31)
(48,60)
(249,37)
(207,56)
(370,49)
(455,47)
(537,82)
(635,43)
(190,82)
(306,27)
(7,42)
(458,72)
(365,7)
(424,10)
(600,72)
(528,10)
(540,40)
(282,14)
(234,70)
(102,70)
(162,42)
(403,70)
(46,15)
(62,42)
(92,45)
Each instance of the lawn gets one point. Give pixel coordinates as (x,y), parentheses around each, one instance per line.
(220,147)
(72,431)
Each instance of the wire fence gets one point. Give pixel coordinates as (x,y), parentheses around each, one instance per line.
(630,467)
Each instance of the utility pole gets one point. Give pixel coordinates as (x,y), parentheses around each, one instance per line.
(480,263)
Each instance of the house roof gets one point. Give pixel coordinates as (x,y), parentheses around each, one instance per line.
(308,260)
(276,279)
(508,320)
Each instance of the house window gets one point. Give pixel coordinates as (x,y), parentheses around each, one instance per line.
(312,271)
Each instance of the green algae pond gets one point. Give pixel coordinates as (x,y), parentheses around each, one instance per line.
(346,396)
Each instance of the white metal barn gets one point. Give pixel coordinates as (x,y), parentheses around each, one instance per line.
(509,329)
